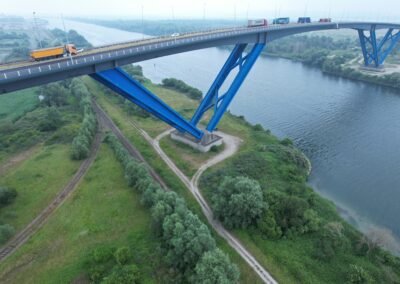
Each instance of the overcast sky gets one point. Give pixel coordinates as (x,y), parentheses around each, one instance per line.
(169,9)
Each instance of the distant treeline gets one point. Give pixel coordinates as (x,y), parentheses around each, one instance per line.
(163,27)
(331,56)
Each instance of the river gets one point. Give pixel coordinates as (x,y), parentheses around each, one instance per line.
(350,130)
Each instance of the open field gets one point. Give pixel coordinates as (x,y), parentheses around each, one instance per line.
(37,181)
(103,211)
(13,105)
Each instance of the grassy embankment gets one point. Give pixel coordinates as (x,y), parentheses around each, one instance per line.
(113,106)
(102,211)
(290,258)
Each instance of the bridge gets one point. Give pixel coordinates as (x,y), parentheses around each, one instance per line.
(102,64)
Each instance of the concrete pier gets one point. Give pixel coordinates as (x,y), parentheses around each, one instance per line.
(204,145)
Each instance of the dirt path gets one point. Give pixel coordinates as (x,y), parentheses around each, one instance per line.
(108,123)
(231,147)
(17,159)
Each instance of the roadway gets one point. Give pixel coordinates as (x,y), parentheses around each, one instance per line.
(24,74)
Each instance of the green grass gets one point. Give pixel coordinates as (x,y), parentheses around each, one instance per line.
(15,104)
(187,159)
(123,121)
(102,211)
(288,260)
(37,181)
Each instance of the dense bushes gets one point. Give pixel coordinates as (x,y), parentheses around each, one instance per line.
(81,143)
(112,266)
(7,196)
(182,87)
(238,202)
(185,239)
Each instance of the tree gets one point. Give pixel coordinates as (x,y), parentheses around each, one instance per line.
(52,120)
(134,172)
(168,203)
(267,225)
(7,196)
(376,238)
(238,202)
(54,94)
(185,239)
(215,267)
(80,149)
(331,241)
(289,212)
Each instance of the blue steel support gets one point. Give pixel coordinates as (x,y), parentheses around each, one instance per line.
(374,51)
(221,103)
(212,93)
(122,83)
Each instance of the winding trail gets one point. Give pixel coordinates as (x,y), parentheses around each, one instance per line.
(231,147)
(19,239)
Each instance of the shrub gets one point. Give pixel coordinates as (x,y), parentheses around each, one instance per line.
(6,231)
(215,267)
(122,255)
(184,237)
(81,143)
(357,274)
(238,202)
(7,196)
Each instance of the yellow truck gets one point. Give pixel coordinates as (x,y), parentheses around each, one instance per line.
(53,52)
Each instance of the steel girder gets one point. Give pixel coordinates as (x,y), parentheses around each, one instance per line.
(237,59)
(122,83)
(375,52)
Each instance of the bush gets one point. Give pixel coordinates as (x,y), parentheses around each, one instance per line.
(184,237)
(215,267)
(6,231)
(52,120)
(238,202)
(123,274)
(82,141)
(7,196)
(122,255)
(357,274)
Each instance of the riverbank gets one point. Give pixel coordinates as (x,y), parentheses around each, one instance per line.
(289,253)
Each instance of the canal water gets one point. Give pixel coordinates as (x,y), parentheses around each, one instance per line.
(349,130)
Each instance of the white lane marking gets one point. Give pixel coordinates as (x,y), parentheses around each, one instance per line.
(40,69)
(49,67)
(29,70)
(19,74)
(5,75)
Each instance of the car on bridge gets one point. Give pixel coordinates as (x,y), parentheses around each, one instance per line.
(257,23)
(281,21)
(325,20)
(304,20)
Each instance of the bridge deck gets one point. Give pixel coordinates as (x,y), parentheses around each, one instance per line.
(27,73)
